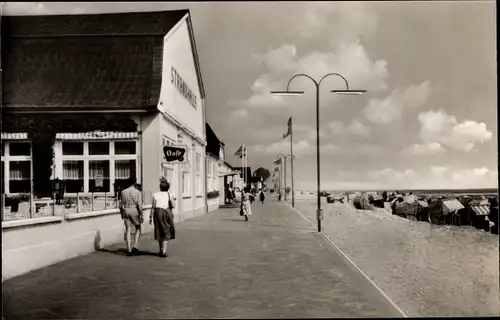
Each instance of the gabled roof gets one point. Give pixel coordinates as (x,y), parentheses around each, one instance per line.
(157,23)
(213,143)
(92,61)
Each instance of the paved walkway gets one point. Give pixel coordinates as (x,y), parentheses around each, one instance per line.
(273,266)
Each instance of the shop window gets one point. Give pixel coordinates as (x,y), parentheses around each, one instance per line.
(98,148)
(72,148)
(124,170)
(99,176)
(73,175)
(20,177)
(99,167)
(16,167)
(125,147)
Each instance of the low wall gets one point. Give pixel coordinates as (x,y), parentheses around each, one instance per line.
(32,244)
(213,204)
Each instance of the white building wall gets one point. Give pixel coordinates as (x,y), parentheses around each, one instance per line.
(177,55)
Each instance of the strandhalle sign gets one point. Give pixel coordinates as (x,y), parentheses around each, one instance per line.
(174,153)
(182,87)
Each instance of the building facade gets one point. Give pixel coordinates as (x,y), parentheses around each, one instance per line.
(88,102)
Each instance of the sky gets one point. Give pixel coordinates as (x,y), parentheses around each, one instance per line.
(427,121)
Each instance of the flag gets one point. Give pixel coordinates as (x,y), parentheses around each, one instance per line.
(289,132)
(277,161)
(276,169)
(241,151)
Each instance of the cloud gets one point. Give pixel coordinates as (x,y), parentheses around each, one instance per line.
(439,127)
(300,148)
(355,128)
(350,60)
(239,113)
(390,109)
(475,178)
(427,148)
(434,177)
(438,170)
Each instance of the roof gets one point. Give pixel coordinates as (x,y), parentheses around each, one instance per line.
(157,23)
(229,165)
(90,61)
(481,210)
(451,206)
(213,142)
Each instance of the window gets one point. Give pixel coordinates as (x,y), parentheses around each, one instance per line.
(16,167)
(209,175)
(73,175)
(215,184)
(185,183)
(99,176)
(72,148)
(199,187)
(168,173)
(124,169)
(97,166)
(125,147)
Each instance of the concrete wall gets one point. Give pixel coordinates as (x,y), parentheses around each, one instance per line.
(55,239)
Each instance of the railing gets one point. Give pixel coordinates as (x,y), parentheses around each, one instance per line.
(25,206)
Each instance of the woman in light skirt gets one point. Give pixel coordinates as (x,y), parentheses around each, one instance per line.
(246,206)
(163,217)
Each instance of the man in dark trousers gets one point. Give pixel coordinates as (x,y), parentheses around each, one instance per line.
(262,196)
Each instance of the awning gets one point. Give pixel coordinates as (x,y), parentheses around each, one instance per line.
(481,210)
(14,136)
(97,135)
(231,173)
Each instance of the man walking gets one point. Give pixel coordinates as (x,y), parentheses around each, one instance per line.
(132,215)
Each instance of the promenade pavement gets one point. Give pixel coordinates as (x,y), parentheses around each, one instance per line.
(273,266)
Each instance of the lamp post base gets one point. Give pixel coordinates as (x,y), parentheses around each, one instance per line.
(319,217)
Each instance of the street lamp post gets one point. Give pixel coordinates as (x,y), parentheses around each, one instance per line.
(347,91)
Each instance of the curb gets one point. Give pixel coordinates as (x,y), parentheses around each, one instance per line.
(352,265)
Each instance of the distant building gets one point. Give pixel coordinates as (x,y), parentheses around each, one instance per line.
(219,173)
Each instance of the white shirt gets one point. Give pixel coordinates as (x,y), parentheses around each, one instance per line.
(160,200)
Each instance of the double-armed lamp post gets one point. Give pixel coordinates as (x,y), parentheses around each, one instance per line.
(347,91)
(291,156)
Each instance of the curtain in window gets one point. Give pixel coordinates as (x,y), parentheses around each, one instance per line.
(19,170)
(72,170)
(124,169)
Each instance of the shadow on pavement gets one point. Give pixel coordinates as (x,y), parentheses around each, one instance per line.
(123,252)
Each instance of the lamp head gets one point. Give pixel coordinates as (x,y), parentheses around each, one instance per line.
(287,93)
(349,92)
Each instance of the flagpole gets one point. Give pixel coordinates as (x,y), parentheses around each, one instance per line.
(291,160)
(284,159)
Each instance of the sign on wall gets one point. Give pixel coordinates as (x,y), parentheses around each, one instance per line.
(182,87)
(174,154)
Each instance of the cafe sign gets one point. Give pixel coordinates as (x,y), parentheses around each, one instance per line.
(182,87)
(174,154)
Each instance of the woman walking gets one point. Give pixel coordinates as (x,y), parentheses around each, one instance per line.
(163,217)
(262,196)
(246,206)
